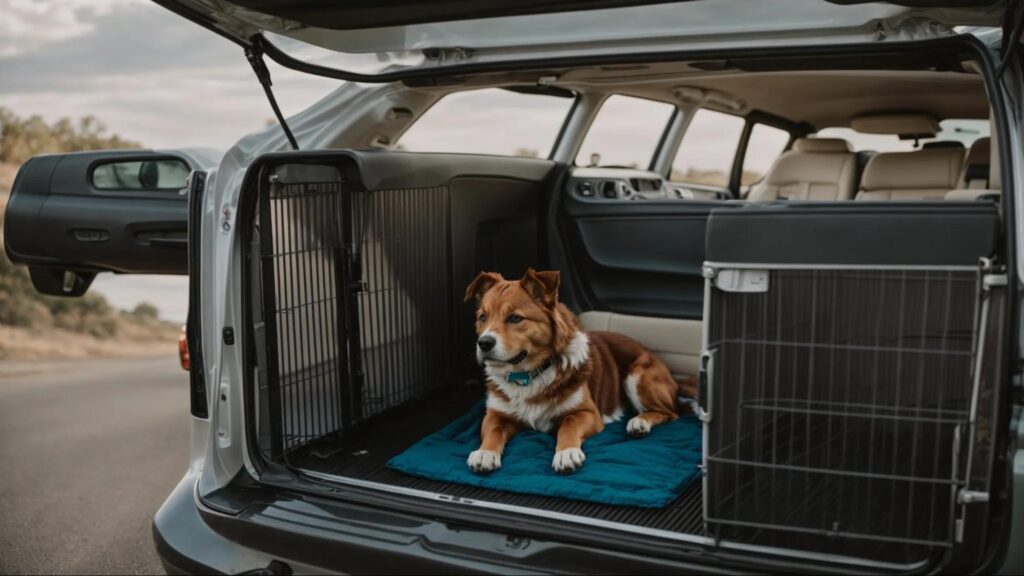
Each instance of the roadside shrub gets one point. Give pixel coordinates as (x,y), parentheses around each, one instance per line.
(145,310)
(15,311)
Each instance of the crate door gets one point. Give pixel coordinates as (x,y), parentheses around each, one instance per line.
(840,404)
(305,329)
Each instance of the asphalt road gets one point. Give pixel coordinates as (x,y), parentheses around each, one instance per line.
(88,451)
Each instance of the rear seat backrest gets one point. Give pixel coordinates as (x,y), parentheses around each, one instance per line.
(815,169)
(993,181)
(975,170)
(919,175)
(677,342)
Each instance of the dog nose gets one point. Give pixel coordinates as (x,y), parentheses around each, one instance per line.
(486,343)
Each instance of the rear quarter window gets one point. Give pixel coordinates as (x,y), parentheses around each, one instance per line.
(706,154)
(489,121)
(625,132)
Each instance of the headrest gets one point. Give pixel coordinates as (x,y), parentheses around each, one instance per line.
(903,124)
(822,145)
(980,152)
(919,170)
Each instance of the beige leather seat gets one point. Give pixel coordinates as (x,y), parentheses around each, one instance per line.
(677,342)
(815,169)
(919,175)
(992,183)
(975,170)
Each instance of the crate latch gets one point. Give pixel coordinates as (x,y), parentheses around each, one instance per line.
(971,496)
(707,370)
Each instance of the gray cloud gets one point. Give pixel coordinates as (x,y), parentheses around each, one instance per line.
(130,39)
(147,73)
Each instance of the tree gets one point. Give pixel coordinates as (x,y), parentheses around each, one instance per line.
(22,138)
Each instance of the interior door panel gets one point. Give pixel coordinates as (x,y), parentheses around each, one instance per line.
(638,257)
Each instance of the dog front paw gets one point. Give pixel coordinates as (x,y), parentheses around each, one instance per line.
(484,461)
(568,460)
(638,427)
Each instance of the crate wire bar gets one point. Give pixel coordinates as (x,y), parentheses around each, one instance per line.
(404,308)
(355,301)
(839,409)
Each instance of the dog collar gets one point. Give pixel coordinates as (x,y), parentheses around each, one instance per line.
(525,378)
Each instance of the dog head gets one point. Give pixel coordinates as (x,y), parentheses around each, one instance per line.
(519,323)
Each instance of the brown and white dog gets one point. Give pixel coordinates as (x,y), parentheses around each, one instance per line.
(544,372)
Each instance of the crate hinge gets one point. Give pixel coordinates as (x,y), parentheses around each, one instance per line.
(990,281)
(353,262)
(964,497)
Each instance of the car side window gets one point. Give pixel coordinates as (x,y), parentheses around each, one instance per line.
(625,132)
(489,121)
(706,154)
(765,145)
(166,174)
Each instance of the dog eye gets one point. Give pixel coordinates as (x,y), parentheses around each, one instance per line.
(514,319)
(482,318)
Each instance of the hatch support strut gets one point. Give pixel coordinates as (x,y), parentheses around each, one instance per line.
(254,54)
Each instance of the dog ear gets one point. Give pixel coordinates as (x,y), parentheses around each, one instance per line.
(482,283)
(564,327)
(541,286)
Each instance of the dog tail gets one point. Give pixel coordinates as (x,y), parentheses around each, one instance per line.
(687,387)
(686,395)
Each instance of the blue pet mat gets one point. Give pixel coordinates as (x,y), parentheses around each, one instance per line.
(648,472)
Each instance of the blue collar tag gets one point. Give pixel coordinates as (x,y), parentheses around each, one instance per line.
(520,378)
(526,378)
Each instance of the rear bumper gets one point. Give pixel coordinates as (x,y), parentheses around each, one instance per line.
(253,526)
(187,545)
(315,535)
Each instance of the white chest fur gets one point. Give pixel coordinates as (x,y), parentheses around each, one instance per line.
(537,415)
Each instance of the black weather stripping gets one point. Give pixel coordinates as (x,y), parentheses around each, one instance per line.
(254,54)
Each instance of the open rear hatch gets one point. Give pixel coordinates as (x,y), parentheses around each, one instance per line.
(417,38)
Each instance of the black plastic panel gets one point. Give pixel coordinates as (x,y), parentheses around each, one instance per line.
(199,405)
(641,257)
(855,233)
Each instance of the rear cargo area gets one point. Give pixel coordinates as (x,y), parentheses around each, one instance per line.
(363,455)
(840,396)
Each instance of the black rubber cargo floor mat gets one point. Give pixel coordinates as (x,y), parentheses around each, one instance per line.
(364,452)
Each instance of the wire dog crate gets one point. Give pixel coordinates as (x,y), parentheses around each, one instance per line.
(355,293)
(838,408)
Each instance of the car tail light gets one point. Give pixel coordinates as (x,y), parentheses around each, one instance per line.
(183,350)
